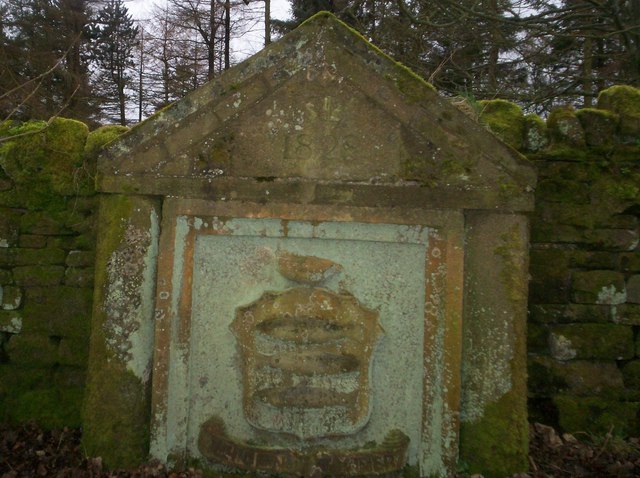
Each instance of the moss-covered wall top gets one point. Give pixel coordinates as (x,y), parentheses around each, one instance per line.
(47,210)
(584,304)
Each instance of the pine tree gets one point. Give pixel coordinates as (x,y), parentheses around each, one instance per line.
(113,35)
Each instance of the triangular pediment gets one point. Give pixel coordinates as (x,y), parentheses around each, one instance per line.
(320,105)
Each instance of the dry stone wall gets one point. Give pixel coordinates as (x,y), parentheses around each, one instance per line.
(47,217)
(584,302)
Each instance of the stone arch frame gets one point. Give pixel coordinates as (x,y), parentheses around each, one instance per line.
(442,352)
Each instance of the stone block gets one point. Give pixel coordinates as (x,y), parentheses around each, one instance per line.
(627,314)
(10,321)
(596,415)
(613,239)
(592,259)
(569,313)
(633,289)
(61,311)
(565,128)
(79,277)
(631,374)
(629,262)
(73,351)
(537,338)
(80,259)
(42,257)
(33,241)
(5,277)
(564,191)
(544,232)
(38,275)
(9,227)
(10,297)
(33,350)
(591,341)
(598,287)
(42,223)
(599,126)
(577,377)
(70,376)
(51,407)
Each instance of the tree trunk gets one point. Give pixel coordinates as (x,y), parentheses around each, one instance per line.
(267,22)
(227,33)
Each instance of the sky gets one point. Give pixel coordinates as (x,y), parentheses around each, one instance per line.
(243,47)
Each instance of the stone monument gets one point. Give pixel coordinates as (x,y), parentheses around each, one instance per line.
(311,266)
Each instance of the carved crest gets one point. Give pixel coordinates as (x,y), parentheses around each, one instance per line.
(306,359)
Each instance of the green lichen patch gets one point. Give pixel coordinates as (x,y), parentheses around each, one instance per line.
(505,119)
(535,133)
(599,126)
(564,127)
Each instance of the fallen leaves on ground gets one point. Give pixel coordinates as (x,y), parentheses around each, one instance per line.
(28,451)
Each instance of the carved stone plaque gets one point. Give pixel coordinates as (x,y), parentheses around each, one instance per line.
(305,358)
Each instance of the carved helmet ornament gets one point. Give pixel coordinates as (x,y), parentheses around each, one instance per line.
(306,355)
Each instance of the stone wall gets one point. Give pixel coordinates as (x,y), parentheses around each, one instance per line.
(47,204)
(584,303)
(584,342)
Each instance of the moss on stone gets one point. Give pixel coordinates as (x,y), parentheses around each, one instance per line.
(591,341)
(596,415)
(116,411)
(565,128)
(505,119)
(99,138)
(50,407)
(599,126)
(621,99)
(625,101)
(497,444)
(45,162)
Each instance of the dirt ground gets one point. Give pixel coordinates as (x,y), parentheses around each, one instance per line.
(28,451)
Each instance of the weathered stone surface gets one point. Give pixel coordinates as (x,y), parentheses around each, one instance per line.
(281,139)
(116,408)
(564,191)
(32,241)
(38,275)
(596,414)
(306,269)
(535,133)
(577,377)
(58,311)
(625,101)
(598,287)
(11,297)
(80,259)
(505,119)
(628,314)
(73,351)
(10,321)
(9,227)
(569,313)
(599,126)
(564,127)
(613,239)
(5,277)
(633,289)
(631,374)
(591,341)
(33,350)
(630,262)
(79,277)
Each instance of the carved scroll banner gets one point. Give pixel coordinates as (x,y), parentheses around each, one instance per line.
(215,445)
